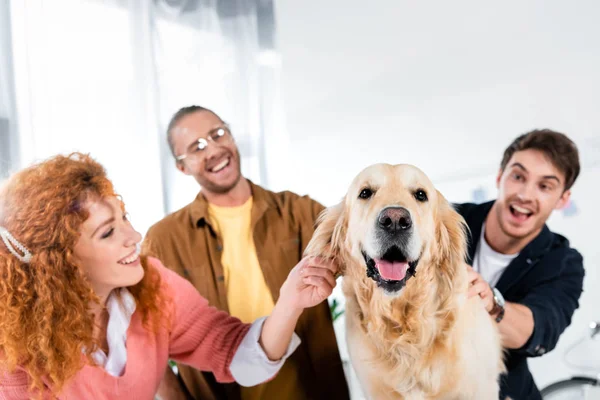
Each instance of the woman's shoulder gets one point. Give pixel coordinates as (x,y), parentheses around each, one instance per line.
(175,285)
(165,273)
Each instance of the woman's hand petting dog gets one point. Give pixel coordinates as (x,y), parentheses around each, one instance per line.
(309,283)
(479,287)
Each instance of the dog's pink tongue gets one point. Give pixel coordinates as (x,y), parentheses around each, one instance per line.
(391,271)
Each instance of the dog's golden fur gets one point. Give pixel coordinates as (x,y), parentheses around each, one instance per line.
(427,341)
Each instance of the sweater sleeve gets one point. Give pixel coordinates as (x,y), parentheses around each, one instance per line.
(200,335)
(15,386)
(211,340)
(250,365)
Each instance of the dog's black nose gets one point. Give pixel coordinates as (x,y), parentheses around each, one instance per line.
(394,219)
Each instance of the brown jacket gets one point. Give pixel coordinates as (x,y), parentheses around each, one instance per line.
(283,224)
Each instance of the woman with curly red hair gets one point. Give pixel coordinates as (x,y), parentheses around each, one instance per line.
(84,316)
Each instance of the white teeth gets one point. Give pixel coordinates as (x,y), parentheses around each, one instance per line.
(220,165)
(131,258)
(522,210)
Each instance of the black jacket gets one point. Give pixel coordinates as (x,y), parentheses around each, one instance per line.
(547,276)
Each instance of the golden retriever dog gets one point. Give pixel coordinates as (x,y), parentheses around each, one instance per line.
(411,331)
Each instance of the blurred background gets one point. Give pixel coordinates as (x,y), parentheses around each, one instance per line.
(314,92)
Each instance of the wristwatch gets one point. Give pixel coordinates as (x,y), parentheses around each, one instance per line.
(498,305)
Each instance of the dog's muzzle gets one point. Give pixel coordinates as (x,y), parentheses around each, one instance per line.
(392,267)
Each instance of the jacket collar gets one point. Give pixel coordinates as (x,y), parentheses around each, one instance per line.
(261,202)
(526,259)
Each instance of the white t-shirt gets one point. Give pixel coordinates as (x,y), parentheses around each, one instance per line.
(489,263)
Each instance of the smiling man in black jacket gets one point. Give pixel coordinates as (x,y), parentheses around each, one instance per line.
(529,278)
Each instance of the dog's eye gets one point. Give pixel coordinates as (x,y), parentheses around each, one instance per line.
(365,194)
(420,195)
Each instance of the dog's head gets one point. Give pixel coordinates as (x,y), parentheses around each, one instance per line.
(392,225)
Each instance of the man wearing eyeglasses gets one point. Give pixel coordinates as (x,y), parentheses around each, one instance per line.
(236,243)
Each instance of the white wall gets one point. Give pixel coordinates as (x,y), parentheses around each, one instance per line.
(445,86)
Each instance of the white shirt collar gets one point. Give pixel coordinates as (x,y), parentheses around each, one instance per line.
(121,306)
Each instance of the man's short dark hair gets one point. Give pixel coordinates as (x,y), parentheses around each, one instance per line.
(559,149)
(177,117)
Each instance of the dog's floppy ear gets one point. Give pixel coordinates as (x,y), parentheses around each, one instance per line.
(451,232)
(330,235)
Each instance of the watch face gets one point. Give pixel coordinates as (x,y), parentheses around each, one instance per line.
(498,298)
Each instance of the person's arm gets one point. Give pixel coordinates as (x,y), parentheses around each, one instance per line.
(211,340)
(553,304)
(309,283)
(534,325)
(263,351)
(516,326)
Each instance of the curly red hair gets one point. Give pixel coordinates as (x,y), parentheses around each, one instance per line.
(44,305)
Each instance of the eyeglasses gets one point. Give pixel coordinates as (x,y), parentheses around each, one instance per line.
(219,135)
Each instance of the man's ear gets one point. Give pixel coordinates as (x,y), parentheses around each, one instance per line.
(564,200)
(181,167)
(498,178)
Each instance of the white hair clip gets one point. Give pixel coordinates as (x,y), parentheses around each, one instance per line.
(11,243)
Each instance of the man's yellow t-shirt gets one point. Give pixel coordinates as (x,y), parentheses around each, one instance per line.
(248,296)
